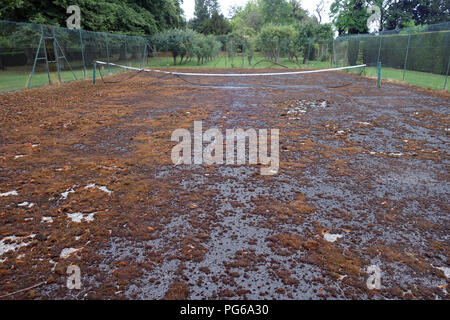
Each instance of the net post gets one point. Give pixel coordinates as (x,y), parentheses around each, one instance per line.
(379,48)
(406,56)
(94,71)
(379,75)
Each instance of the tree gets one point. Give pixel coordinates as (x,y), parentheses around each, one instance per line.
(201,14)
(298,13)
(271,38)
(178,42)
(137,17)
(249,19)
(320,5)
(217,25)
(277,11)
(205,48)
(400,14)
(208,19)
(350,16)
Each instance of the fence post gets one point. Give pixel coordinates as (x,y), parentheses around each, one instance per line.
(144,55)
(379,75)
(126,52)
(406,56)
(107,52)
(82,54)
(379,49)
(446,76)
(334,54)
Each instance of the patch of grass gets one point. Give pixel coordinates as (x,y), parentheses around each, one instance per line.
(421,79)
(17,78)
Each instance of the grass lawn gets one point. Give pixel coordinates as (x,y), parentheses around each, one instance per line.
(421,79)
(14,79)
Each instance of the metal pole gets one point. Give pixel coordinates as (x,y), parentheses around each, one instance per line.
(82,54)
(406,57)
(379,75)
(379,49)
(334,54)
(446,76)
(55,48)
(63,56)
(35,59)
(47,68)
(126,53)
(144,55)
(94,72)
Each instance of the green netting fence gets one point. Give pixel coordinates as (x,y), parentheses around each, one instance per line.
(29,52)
(418,56)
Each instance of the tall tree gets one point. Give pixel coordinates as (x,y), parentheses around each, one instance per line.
(298,13)
(208,19)
(350,16)
(277,11)
(320,5)
(200,13)
(216,25)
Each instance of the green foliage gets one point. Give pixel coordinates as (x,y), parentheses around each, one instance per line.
(272,39)
(208,19)
(178,42)
(248,20)
(186,43)
(137,17)
(350,16)
(401,14)
(277,11)
(205,48)
(217,25)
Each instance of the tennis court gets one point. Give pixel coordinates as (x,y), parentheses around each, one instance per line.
(87,180)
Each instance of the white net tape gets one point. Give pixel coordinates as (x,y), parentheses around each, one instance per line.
(230,74)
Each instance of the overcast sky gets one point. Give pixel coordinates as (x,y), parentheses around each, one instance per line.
(189,5)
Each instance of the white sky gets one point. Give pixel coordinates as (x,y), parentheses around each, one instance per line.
(189,5)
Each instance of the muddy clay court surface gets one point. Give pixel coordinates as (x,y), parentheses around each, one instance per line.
(86,179)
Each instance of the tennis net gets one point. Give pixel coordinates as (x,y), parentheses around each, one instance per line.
(269,78)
